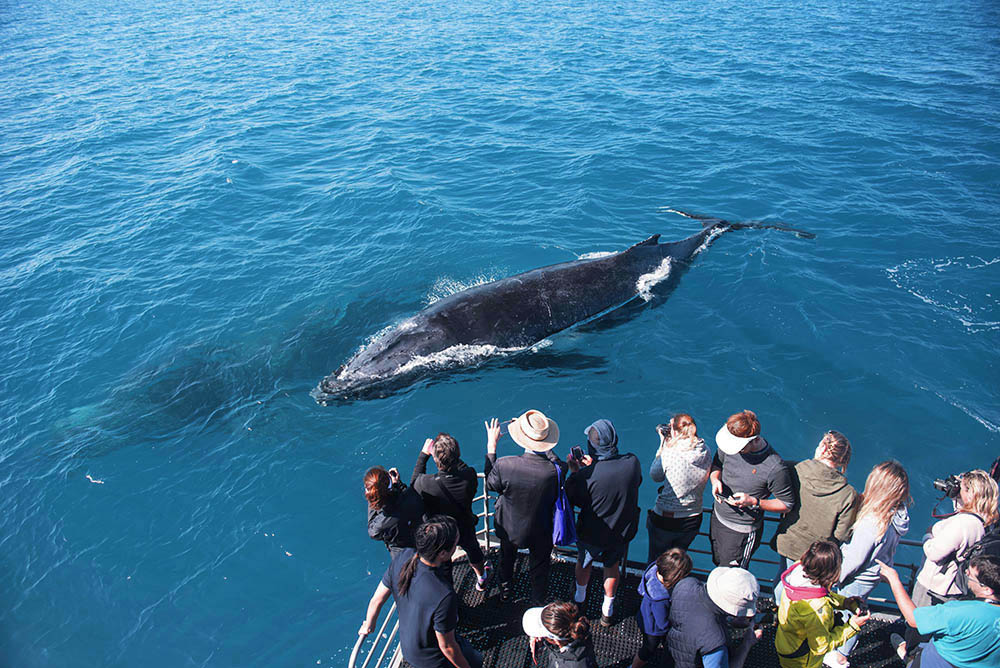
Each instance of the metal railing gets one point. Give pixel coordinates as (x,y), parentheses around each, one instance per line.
(876,603)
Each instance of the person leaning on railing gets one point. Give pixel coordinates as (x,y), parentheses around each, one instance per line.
(426,601)
(963,634)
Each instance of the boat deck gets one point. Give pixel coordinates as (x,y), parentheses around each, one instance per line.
(495,627)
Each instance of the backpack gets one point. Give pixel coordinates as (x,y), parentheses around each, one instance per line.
(563,524)
(988,545)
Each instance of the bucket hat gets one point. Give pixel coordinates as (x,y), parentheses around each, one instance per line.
(735,590)
(533,431)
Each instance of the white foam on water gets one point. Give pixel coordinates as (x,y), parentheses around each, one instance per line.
(645,284)
(712,236)
(961,288)
(965,409)
(460,355)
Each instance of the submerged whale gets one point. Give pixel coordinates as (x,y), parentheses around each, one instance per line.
(519,311)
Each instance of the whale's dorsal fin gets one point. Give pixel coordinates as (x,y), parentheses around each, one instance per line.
(652,241)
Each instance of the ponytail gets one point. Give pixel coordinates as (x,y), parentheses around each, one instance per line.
(565,620)
(438,534)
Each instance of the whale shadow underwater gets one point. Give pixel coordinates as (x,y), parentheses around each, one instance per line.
(514,314)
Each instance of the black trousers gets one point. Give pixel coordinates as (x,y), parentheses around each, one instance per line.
(539,554)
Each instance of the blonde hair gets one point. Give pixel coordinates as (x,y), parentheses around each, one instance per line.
(836,449)
(887,489)
(983,489)
(683,431)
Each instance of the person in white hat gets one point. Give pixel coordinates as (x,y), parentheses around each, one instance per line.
(526,486)
(564,633)
(746,474)
(701,614)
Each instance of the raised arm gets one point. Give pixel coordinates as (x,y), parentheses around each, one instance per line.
(420,467)
(903,600)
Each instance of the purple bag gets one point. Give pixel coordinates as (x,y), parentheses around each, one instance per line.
(563,523)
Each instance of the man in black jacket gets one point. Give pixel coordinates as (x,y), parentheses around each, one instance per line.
(450,492)
(527,486)
(607,493)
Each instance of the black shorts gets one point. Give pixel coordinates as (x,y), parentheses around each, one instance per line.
(732,548)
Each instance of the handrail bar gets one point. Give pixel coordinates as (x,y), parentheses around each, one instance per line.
(352,662)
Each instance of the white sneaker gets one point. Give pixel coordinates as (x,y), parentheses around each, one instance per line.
(899,645)
(835,659)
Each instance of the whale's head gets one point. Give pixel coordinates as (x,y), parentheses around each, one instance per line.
(388,357)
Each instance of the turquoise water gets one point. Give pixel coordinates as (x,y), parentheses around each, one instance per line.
(207,207)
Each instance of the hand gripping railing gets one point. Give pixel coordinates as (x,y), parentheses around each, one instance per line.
(380,640)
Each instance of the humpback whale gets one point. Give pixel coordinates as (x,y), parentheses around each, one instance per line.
(518,311)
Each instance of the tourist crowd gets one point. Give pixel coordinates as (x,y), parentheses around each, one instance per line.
(835,545)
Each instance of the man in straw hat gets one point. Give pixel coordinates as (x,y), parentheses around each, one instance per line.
(527,486)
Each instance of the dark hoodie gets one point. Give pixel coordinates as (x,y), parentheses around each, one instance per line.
(607,492)
(654,611)
(826,508)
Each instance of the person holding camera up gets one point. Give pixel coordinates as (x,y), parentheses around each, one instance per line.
(394,510)
(682,463)
(947,541)
(450,493)
(606,489)
(746,472)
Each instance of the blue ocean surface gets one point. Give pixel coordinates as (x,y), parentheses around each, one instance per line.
(207,207)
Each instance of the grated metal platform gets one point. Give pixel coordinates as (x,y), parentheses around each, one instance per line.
(495,628)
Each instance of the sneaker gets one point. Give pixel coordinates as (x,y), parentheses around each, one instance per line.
(834,659)
(482,582)
(506,592)
(899,645)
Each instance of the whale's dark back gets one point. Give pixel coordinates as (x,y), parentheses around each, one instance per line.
(515,312)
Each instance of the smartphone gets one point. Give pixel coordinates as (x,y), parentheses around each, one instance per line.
(505,427)
(576,452)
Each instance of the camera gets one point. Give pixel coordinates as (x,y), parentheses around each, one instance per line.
(950,486)
(664,430)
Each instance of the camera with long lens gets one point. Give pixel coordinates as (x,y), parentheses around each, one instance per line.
(950,486)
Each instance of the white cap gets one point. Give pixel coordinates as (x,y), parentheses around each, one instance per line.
(735,590)
(532,623)
(730,444)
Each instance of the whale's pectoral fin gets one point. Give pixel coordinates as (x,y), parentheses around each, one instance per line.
(707,221)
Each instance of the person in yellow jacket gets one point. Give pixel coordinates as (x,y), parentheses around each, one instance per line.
(807,625)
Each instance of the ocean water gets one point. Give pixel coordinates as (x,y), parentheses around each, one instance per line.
(207,207)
